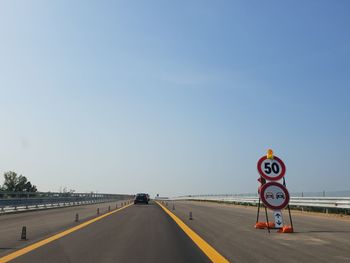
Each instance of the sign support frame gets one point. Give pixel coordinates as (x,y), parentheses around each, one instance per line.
(290,215)
(263,181)
(266,214)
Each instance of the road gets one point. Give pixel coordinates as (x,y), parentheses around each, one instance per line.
(230,230)
(145,233)
(140,233)
(43,223)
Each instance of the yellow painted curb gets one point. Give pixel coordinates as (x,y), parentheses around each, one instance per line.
(207,249)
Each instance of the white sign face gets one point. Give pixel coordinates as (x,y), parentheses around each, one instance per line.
(278,218)
(274,195)
(271,169)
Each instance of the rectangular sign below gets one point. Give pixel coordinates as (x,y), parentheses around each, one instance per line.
(278,218)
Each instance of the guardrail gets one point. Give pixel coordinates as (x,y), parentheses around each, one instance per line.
(295,202)
(17,201)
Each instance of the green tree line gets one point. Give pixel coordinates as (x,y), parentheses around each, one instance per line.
(16,183)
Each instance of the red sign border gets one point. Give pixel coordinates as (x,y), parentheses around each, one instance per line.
(285,190)
(283,172)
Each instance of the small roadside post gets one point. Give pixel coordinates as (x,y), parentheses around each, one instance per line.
(24,233)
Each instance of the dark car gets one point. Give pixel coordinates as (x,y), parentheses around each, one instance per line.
(141,198)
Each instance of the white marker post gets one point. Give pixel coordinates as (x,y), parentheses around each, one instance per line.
(278,218)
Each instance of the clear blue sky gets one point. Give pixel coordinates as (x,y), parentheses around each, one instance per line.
(175,97)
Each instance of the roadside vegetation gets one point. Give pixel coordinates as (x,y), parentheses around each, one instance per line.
(16,183)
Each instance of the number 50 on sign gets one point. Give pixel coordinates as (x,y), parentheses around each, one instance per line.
(271,169)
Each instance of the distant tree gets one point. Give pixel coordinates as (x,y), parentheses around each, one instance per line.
(65,192)
(17,183)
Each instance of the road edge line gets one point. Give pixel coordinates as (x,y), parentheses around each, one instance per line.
(204,246)
(59,235)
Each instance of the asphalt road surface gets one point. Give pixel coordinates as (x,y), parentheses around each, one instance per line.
(229,229)
(44,223)
(145,233)
(139,233)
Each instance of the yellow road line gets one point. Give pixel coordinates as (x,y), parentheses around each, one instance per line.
(207,249)
(41,243)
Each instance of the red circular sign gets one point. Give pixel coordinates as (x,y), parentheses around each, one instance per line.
(274,195)
(271,169)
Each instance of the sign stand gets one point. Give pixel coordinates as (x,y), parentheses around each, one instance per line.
(260,224)
(290,215)
(272,194)
(257,214)
(267,221)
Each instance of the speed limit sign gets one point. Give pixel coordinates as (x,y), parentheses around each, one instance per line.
(272,169)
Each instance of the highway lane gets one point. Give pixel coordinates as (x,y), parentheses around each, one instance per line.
(139,233)
(43,223)
(229,229)
(146,233)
